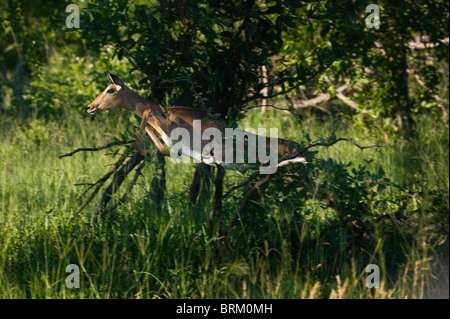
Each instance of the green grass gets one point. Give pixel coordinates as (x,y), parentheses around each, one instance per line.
(143,250)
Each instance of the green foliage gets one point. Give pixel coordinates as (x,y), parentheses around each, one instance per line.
(390,82)
(291,243)
(68,83)
(215,50)
(28,34)
(310,233)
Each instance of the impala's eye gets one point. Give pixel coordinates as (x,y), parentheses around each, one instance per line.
(110,91)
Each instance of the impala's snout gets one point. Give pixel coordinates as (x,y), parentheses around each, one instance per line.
(91,110)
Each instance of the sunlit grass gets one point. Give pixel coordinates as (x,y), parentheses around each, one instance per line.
(146,251)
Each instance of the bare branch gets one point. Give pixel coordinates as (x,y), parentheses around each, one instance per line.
(279,81)
(340,95)
(397,215)
(244,183)
(101,181)
(119,178)
(320,98)
(266,105)
(295,159)
(124,197)
(334,142)
(436,97)
(244,204)
(90,149)
(323,97)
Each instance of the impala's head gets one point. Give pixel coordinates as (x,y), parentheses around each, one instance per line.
(110,98)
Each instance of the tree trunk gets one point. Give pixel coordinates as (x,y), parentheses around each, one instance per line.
(200,188)
(405,121)
(158,184)
(218,197)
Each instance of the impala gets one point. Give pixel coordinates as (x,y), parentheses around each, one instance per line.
(165,126)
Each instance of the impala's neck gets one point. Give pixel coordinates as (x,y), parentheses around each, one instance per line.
(137,104)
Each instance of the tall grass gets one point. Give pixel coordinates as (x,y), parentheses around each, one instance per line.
(143,250)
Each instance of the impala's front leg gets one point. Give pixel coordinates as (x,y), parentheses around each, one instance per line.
(162,149)
(138,141)
(149,129)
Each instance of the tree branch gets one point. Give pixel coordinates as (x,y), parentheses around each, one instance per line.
(279,81)
(323,97)
(244,183)
(124,197)
(118,179)
(436,97)
(244,204)
(334,142)
(101,181)
(90,149)
(295,159)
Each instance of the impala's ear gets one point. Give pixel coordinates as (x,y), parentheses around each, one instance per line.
(108,75)
(114,79)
